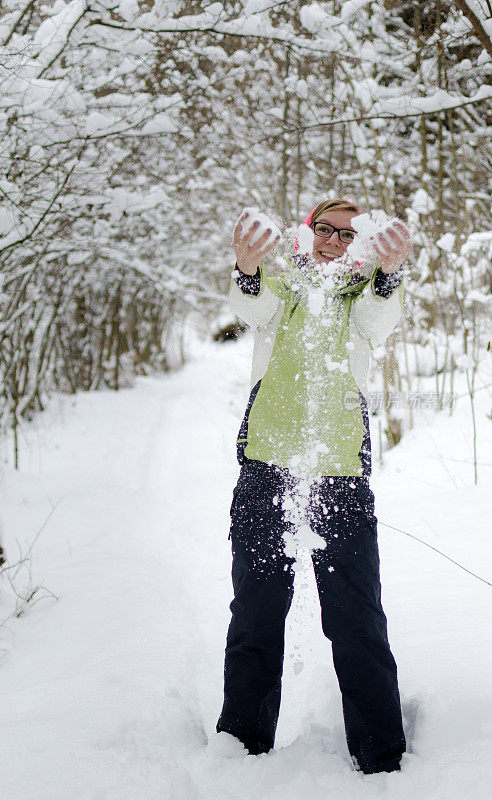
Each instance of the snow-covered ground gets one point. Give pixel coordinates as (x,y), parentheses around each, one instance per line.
(112,691)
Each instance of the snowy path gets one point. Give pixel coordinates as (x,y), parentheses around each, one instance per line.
(112,692)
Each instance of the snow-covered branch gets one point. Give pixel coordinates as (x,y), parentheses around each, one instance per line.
(481,24)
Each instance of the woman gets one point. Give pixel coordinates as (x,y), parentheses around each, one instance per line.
(307,419)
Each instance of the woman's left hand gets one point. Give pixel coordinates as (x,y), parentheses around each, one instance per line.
(392,247)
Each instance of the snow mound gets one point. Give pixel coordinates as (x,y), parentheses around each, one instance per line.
(223,745)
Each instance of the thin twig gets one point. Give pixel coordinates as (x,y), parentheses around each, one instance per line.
(431,547)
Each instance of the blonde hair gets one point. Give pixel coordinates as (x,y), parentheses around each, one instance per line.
(339,204)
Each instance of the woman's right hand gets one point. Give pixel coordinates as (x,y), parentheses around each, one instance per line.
(249,256)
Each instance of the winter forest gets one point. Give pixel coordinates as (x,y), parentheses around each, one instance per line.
(133,133)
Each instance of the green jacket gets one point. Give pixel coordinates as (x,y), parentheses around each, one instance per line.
(307,415)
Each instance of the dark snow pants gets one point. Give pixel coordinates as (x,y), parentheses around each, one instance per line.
(347,576)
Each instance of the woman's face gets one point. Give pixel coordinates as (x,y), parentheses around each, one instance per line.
(327,249)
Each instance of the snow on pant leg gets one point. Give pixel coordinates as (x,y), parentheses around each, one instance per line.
(347,576)
(263,582)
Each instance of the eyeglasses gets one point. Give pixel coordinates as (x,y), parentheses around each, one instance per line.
(325,230)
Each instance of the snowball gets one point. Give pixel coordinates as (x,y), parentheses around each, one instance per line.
(255,215)
(367,227)
(371,224)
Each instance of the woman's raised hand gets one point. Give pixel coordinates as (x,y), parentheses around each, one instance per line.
(248,255)
(392,247)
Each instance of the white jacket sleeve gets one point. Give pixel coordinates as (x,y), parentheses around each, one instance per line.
(256,310)
(376,317)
